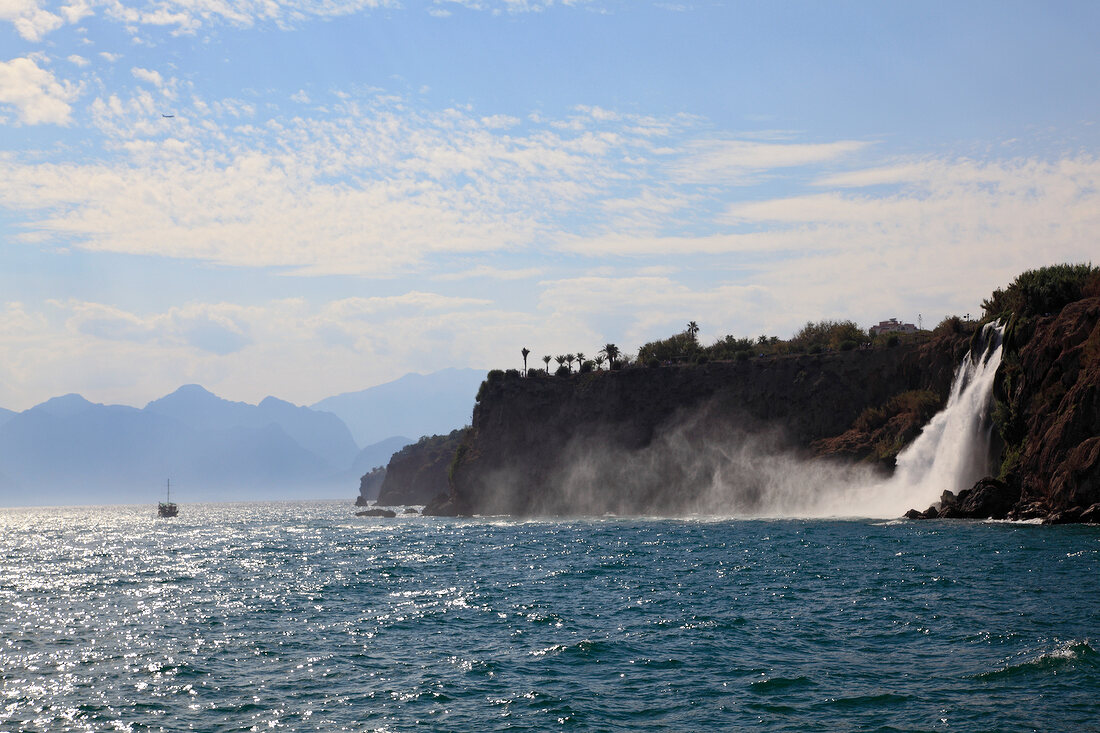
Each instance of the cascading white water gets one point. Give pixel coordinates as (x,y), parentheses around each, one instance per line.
(952,451)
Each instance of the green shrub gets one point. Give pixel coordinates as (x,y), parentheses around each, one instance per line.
(1042,291)
(674,348)
(848,345)
(949,325)
(826,335)
(743,355)
(893,340)
(727,348)
(653,363)
(494,376)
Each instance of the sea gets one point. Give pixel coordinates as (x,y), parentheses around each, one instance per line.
(303,616)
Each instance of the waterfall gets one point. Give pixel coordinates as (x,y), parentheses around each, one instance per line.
(952,451)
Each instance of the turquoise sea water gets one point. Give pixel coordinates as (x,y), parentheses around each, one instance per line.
(304,617)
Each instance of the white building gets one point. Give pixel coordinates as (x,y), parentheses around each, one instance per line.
(892,326)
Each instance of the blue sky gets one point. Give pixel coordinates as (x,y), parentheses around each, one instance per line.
(350,190)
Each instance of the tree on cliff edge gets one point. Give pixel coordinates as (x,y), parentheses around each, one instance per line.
(692,329)
(611,351)
(525,351)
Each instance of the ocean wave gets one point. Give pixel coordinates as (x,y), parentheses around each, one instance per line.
(1067,655)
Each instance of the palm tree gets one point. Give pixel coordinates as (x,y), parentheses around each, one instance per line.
(611,351)
(525,351)
(570,358)
(599,361)
(580,359)
(546,360)
(560,359)
(692,329)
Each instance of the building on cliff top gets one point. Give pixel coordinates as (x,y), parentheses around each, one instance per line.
(892,326)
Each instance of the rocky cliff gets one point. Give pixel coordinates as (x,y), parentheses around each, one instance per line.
(659,440)
(1047,404)
(418,473)
(648,440)
(1049,395)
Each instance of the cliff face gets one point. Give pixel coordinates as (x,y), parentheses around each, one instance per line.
(418,473)
(369,486)
(637,440)
(1050,408)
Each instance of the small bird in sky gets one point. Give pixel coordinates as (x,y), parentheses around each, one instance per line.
(167,115)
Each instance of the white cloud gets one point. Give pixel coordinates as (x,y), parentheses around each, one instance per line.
(491,273)
(77,60)
(34,22)
(375,191)
(30,19)
(36,94)
(655,306)
(76,11)
(111,354)
(739,161)
(147,75)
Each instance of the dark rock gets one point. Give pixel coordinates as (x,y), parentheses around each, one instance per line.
(419,472)
(1032,510)
(1051,386)
(1067,516)
(988,499)
(369,485)
(931,513)
(913,514)
(388,513)
(411,510)
(443,509)
(1091,515)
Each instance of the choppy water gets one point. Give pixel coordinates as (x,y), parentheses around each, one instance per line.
(303,617)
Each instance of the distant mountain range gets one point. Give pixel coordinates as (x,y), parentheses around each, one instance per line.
(68,450)
(415,405)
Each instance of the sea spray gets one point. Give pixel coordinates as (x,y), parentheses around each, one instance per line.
(702,462)
(951,452)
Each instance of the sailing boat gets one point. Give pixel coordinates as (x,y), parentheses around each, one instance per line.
(167,508)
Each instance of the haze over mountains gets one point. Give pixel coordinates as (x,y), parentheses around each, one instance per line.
(68,450)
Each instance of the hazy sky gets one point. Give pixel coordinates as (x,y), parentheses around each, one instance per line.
(349,190)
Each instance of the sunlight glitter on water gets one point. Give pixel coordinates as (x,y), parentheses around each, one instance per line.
(300,616)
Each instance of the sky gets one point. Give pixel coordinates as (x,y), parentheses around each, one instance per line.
(306,197)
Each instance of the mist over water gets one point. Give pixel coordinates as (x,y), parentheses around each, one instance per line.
(699,464)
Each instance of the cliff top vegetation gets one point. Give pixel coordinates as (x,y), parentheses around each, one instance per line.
(1035,292)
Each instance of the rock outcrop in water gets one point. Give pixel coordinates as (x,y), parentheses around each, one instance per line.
(627,441)
(370,484)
